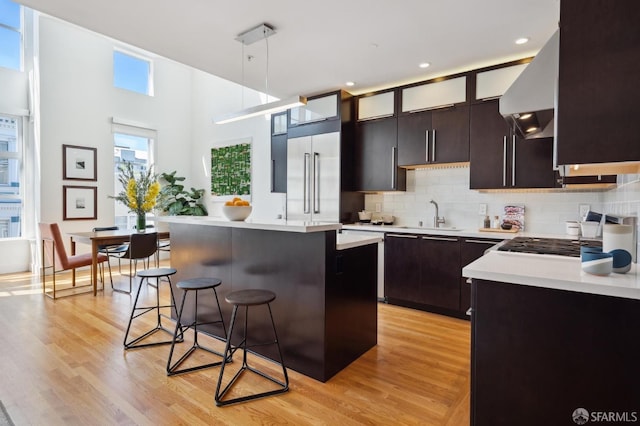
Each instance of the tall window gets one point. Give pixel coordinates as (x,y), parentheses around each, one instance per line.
(10,35)
(132,73)
(132,149)
(10,176)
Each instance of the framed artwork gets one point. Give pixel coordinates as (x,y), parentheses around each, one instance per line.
(79,202)
(231,169)
(79,163)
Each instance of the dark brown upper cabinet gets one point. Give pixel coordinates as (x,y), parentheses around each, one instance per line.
(433,123)
(376,156)
(431,137)
(598,92)
(499,159)
(279,152)
(376,144)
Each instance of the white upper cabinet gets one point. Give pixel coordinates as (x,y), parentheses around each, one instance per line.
(376,106)
(434,95)
(491,84)
(317,109)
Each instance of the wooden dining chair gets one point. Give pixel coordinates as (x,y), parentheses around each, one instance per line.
(55,256)
(141,247)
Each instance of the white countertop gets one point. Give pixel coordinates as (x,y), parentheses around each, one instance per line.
(454,232)
(267,225)
(451,231)
(550,271)
(346,241)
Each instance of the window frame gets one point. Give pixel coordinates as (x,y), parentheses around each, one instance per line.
(140,57)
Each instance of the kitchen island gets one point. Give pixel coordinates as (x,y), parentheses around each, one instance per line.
(548,339)
(326,305)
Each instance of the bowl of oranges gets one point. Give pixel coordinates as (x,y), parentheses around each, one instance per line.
(236,209)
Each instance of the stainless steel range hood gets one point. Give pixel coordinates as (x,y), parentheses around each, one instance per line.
(528,104)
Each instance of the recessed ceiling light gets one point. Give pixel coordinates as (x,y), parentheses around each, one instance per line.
(424,65)
(525,116)
(531,129)
(522,40)
(350,83)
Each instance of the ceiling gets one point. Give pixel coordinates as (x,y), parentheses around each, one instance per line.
(320,45)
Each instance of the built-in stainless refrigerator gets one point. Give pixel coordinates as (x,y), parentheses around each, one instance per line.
(313,178)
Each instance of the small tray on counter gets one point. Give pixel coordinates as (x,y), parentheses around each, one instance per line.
(508,231)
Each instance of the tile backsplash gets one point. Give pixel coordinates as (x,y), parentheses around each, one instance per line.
(545,212)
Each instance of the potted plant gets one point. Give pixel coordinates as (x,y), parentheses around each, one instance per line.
(175,200)
(140,192)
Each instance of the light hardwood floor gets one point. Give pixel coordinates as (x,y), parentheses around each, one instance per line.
(62,363)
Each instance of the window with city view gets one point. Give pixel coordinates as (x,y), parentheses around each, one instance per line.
(10,35)
(132,149)
(10,173)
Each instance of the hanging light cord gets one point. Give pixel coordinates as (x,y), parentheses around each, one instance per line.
(242,89)
(266,39)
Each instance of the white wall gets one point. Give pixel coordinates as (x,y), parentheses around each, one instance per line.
(213,96)
(14,86)
(78,101)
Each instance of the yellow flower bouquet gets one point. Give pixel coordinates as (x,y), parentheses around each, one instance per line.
(140,192)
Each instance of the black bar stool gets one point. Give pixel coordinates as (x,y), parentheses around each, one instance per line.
(246,298)
(194,285)
(145,275)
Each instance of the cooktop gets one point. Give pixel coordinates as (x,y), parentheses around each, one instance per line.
(557,246)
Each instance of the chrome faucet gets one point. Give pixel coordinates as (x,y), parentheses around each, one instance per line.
(437,220)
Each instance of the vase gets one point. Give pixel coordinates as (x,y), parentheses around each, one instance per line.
(141,223)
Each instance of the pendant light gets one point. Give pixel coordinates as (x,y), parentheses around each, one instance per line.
(261,32)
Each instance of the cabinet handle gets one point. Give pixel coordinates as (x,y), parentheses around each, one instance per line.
(316,184)
(426,145)
(393,167)
(273,175)
(306,185)
(439,238)
(413,237)
(504,161)
(513,161)
(433,146)
(483,242)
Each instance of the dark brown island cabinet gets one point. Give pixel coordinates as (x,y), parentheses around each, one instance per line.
(326,305)
(541,356)
(500,159)
(597,87)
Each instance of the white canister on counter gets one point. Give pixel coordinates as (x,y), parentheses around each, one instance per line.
(572,227)
(617,237)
